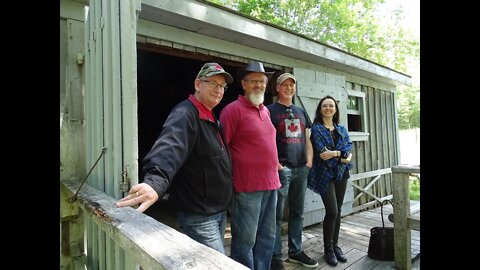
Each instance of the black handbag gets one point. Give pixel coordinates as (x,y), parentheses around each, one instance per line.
(381,245)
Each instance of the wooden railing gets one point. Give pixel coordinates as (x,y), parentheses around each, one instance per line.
(405,219)
(365,190)
(151,244)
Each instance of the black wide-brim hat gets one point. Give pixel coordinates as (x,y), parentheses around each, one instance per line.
(253,66)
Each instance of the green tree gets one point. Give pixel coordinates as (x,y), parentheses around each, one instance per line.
(349,25)
(408,107)
(354,26)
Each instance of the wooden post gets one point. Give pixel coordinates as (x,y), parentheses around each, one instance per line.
(71,232)
(401,211)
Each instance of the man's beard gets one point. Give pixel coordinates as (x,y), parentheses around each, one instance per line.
(256,99)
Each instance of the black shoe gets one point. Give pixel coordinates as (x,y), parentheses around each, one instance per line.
(330,256)
(339,254)
(277,264)
(303,259)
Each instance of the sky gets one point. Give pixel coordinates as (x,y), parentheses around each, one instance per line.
(411,13)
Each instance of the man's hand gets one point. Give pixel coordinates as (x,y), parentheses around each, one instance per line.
(142,194)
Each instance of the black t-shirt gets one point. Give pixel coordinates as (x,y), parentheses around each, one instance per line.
(290,123)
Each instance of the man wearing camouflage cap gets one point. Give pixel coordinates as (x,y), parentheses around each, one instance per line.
(190,157)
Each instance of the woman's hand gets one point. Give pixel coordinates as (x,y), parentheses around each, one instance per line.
(346,160)
(328,154)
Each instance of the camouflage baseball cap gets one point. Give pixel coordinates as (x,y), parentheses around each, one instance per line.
(211,69)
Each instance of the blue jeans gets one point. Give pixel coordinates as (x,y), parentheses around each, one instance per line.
(253,228)
(208,230)
(294,184)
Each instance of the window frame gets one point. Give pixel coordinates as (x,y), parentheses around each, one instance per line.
(363,134)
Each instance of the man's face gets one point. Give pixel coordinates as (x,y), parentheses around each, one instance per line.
(254,85)
(210,90)
(287,89)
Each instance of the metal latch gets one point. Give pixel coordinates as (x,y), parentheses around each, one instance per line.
(124,185)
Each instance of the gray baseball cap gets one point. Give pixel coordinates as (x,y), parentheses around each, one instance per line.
(285,76)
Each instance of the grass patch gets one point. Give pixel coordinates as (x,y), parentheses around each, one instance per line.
(415,187)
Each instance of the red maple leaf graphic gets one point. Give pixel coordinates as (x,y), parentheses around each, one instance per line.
(292,127)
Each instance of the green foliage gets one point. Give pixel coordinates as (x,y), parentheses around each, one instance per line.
(354,26)
(350,25)
(408,107)
(414,188)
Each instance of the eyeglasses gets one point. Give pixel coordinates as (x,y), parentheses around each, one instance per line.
(290,113)
(261,82)
(214,85)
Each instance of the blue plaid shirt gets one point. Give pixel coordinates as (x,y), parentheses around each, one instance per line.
(323,171)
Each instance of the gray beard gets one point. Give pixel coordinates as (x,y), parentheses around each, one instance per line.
(256,99)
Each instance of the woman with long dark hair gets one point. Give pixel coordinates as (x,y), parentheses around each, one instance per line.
(330,171)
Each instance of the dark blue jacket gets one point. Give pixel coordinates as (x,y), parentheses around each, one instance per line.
(191,159)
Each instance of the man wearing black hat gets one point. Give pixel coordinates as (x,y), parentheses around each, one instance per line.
(191,158)
(295,154)
(250,135)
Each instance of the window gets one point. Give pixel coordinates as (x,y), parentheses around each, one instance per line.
(356,116)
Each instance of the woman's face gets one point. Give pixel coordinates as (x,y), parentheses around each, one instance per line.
(328,109)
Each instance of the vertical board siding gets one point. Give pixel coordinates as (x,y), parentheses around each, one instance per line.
(381,148)
(72,114)
(107,81)
(109,101)
(383,141)
(388,142)
(128,50)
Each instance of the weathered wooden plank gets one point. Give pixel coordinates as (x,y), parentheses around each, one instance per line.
(129,11)
(370,145)
(363,262)
(366,205)
(359,176)
(414,223)
(366,191)
(406,169)
(401,204)
(391,133)
(385,133)
(152,244)
(415,208)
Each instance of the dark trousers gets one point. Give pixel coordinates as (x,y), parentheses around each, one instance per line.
(333,200)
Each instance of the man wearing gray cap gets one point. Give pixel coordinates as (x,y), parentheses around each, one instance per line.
(295,154)
(190,157)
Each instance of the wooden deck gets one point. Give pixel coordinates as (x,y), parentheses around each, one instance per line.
(354,237)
